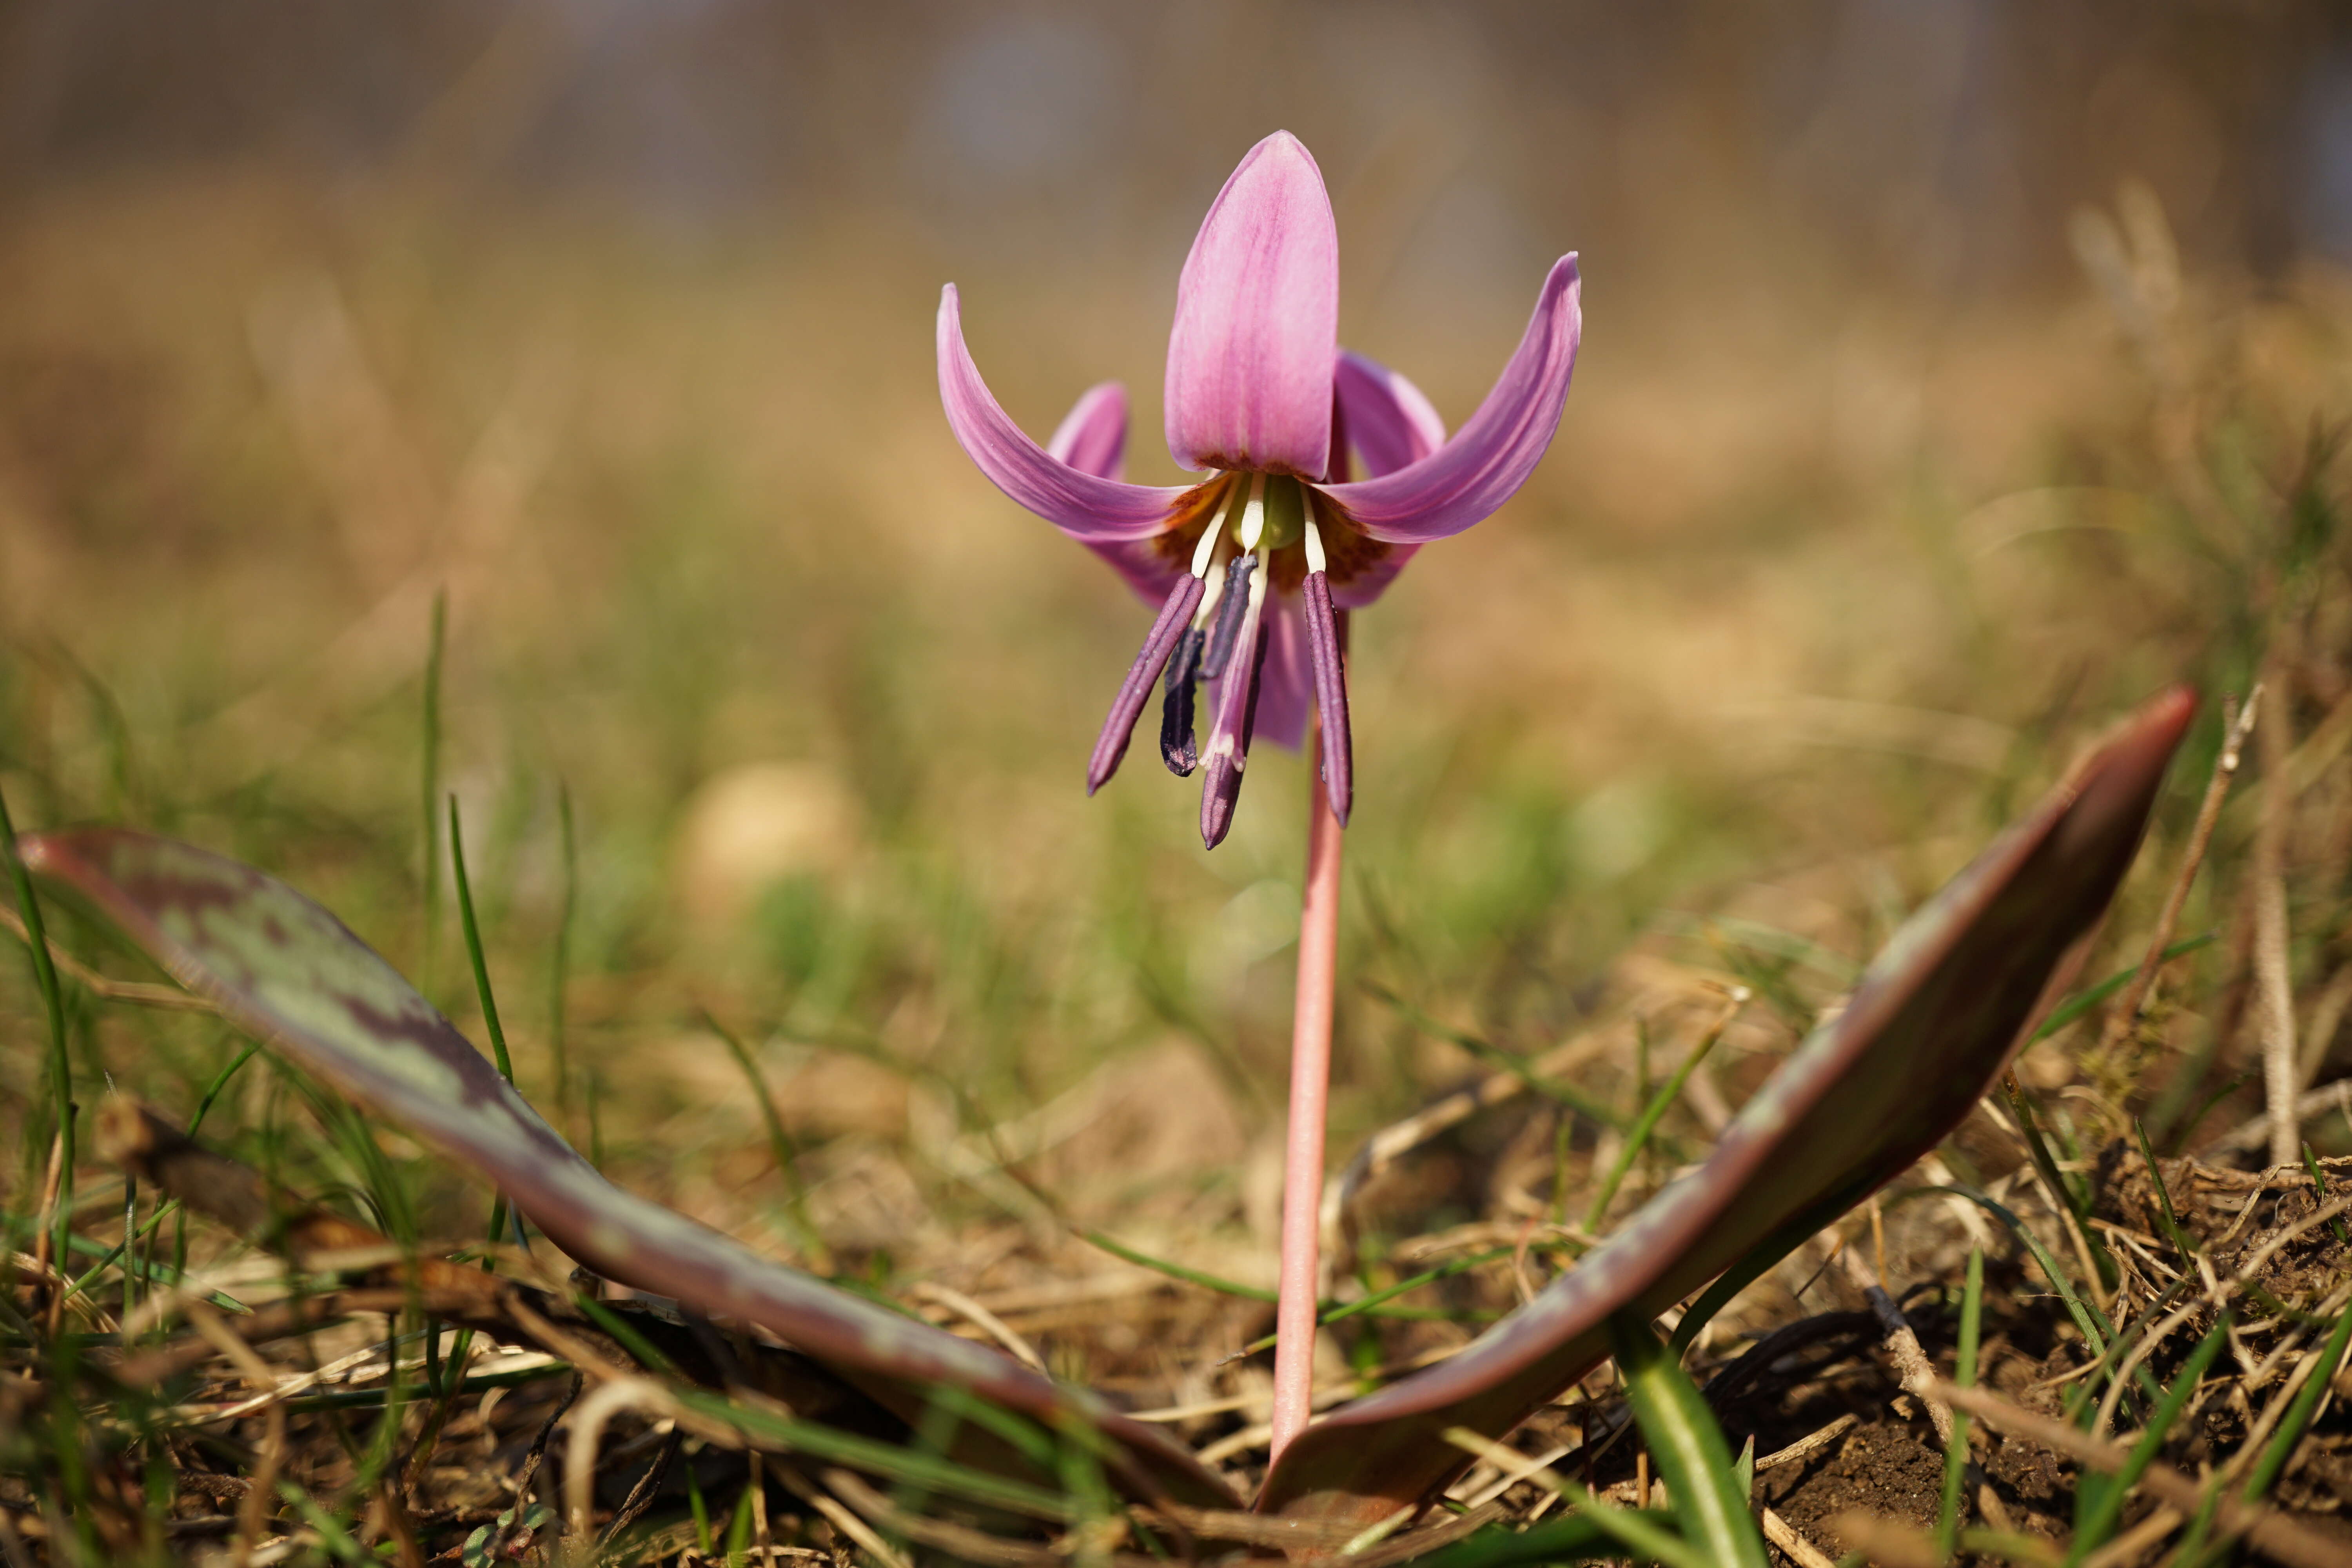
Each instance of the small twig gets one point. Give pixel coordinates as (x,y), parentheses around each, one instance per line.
(1801,1551)
(2125,1015)
(1910,1359)
(641,1496)
(756,1489)
(2283,1538)
(538,1452)
(1806,1447)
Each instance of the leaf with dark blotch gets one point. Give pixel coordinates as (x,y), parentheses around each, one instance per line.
(1927,1030)
(295,975)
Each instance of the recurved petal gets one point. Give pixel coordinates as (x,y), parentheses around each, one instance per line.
(1092,437)
(1086,506)
(1258,321)
(1390,422)
(1491,457)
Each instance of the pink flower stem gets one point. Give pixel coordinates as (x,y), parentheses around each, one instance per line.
(1310,1079)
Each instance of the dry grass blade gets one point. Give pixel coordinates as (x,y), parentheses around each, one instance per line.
(262,1484)
(832,1510)
(2274,977)
(2125,1015)
(981,1318)
(2253,1134)
(105,986)
(609,1400)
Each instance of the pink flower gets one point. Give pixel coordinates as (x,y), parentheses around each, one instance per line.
(1251,565)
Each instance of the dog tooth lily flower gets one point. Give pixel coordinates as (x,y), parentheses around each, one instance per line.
(1253,566)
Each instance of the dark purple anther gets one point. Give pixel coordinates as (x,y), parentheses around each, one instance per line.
(1176,747)
(1330,696)
(1230,610)
(1175,617)
(1229,744)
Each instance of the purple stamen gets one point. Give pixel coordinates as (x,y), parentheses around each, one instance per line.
(1175,617)
(1229,744)
(1230,610)
(1330,696)
(1176,746)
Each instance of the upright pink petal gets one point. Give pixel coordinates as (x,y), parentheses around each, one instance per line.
(1467,480)
(1257,320)
(1086,506)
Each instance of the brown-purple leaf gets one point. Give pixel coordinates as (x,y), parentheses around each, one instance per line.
(292,974)
(1927,1030)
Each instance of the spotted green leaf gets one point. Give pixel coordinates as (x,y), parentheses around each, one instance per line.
(292,974)
(1930,1027)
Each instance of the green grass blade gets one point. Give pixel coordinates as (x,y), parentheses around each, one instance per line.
(429,764)
(473,954)
(1496,1057)
(781,1147)
(1580,1537)
(1689,1448)
(1964,1372)
(2280,1447)
(2096,1331)
(2082,1001)
(1647,1533)
(220,1082)
(1644,1124)
(2172,1231)
(892,1459)
(559,980)
(2319,1191)
(1223,1287)
(2103,1503)
(2076,1203)
(480,963)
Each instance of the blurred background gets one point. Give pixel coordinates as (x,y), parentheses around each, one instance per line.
(1953,371)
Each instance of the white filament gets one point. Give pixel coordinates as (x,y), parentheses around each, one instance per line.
(1253,516)
(1314,535)
(1211,594)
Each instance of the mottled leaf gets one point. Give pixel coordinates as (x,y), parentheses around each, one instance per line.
(298,978)
(1927,1029)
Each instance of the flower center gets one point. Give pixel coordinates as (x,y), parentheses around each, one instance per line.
(1280,538)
